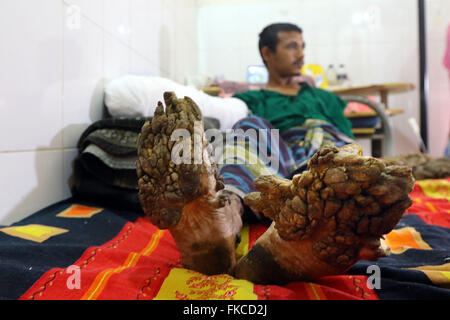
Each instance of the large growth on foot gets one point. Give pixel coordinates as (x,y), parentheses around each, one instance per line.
(342,204)
(165,187)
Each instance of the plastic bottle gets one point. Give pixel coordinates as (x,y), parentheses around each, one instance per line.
(332,75)
(343,79)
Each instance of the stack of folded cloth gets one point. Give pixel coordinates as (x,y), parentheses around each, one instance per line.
(105,168)
(104,171)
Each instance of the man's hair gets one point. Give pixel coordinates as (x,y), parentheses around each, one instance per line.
(269,36)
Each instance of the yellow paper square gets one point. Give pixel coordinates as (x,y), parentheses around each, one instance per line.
(183,284)
(79,211)
(34,232)
(400,240)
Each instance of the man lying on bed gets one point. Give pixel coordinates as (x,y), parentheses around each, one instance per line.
(324,219)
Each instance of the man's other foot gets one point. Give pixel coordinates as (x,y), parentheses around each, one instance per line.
(327,218)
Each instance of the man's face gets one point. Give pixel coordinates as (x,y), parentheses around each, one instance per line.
(288,59)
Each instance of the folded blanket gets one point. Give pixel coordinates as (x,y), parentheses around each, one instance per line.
(87,187)
(105,168)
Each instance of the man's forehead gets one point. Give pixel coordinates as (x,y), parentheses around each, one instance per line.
(288,36)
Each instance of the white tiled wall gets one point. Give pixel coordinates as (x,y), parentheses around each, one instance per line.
(384,50)
(53,67)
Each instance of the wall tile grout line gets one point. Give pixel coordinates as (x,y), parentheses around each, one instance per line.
(37,150)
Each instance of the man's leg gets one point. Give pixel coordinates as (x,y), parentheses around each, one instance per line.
(252,149)
(305,140)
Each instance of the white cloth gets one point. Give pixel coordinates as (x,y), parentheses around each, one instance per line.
(133,96)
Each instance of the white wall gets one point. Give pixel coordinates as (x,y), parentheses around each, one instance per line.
(53,67)
(385,50)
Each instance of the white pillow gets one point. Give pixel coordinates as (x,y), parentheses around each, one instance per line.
(134,96)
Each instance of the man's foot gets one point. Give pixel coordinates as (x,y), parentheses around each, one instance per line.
(180,188)
(327,218)
(423,166)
